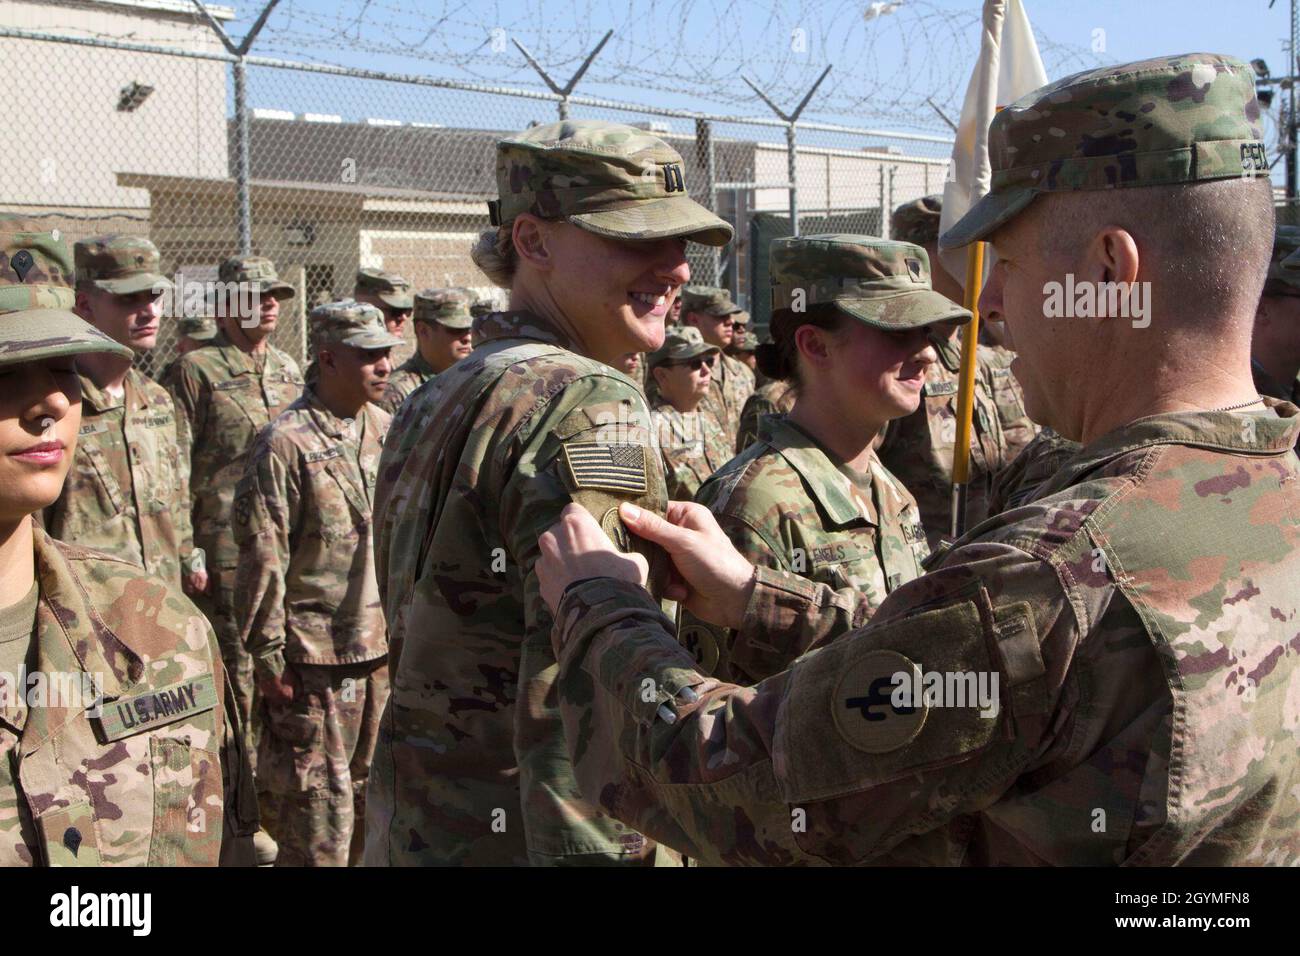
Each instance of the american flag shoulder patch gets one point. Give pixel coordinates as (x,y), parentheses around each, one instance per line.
(599,466)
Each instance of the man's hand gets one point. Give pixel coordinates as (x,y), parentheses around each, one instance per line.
(196,582)
(713,580)
(277,690)
(575,548)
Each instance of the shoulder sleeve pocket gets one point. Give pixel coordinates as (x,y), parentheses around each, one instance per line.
(906,696)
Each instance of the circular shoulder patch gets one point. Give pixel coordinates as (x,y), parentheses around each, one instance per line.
(702,644)
(612,524)
(863,705)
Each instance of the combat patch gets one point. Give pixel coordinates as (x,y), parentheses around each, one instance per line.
(617,467)
(139,713)
(863,709)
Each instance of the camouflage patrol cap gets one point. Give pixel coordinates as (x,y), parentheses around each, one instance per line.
(447,307)
(36,298)
(200,328)
(708,300)
(680,344)
(390,288)
(1284,267)
(258,272)
(349,322)
(917,221)
(1175,119)
(607,178)
(881,282)
(121,265)
(740,318)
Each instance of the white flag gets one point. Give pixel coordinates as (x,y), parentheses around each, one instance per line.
(1008,67)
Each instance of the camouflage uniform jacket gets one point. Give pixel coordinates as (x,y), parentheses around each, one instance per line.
(732,384)
(128,489)
(1038,461)
(693,447)
(785,504)
(470,766)
(918,448)
(1140,615)
(774,397)
(225,400)
(306,589)
(408,376)
(1018,429)
(150,778)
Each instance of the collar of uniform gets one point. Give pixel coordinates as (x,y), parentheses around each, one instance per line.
(99,399)
(1274,433)
(521,325)
(64,608)
(418,365)
(828,484)
(949,352)
(241,362)
(327,421)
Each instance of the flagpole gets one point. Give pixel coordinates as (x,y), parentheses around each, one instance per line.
(966,388)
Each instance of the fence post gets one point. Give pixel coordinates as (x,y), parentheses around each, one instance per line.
(243,198)
(563,92)
(790,120)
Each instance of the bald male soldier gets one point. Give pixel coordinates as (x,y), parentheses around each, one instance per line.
(442,338)
(128,489)
(1133,626)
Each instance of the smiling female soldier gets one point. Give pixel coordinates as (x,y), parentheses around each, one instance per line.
(849,321)
(471,768)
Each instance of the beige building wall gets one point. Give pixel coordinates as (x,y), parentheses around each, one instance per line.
(180,129)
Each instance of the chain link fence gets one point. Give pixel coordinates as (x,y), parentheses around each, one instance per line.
(348,169)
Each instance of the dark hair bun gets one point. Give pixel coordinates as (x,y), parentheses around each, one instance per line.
(770,360)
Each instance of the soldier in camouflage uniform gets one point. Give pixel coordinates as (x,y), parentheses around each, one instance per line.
(389,293)
(691,441)
(226,393)
(711,311)
(128,489)
(790,501)
(1018,482)
(918,449)
(773,397)
(1139,614)
(470,766)
(918,222)
(127,753)
(743,349)
(306,593)
(195,331)
(1275,346)
(442,338)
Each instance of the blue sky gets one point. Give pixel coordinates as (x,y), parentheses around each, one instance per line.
(691,54)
